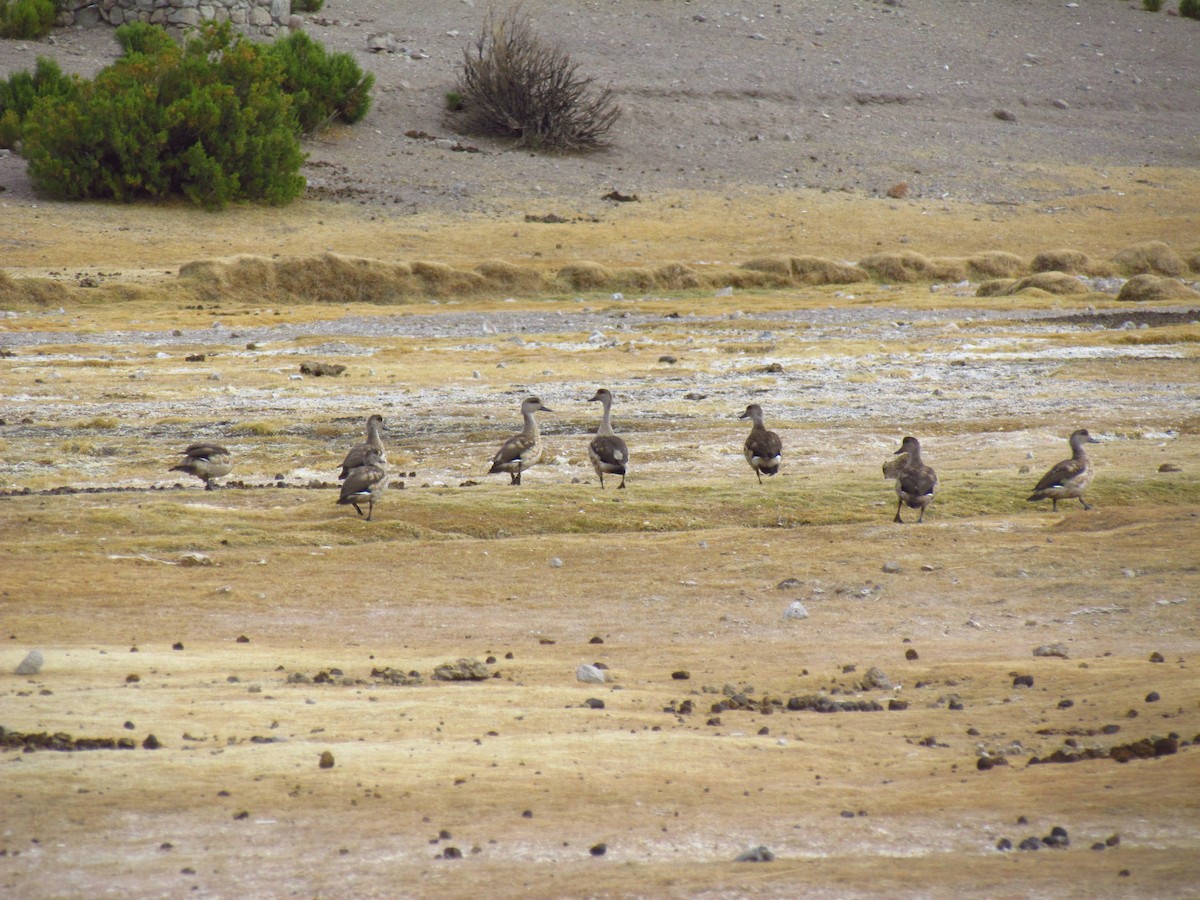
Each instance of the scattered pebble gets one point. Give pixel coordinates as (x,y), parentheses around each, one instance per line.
(326,761)
(598,849)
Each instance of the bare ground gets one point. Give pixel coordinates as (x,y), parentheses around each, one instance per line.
(688,569)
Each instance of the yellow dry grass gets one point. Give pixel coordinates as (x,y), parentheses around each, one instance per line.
(686,570)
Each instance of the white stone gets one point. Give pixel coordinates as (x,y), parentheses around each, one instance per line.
(31,664)
(795,610)
(589,674)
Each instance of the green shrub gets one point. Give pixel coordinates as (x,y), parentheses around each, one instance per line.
(27,19)
(208,121)
(1189,9)
(513,84)
(324,87)
(1152,5)
(308,6)
(18,93)
(142,37)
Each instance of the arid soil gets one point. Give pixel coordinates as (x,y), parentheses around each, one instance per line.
(1039,664)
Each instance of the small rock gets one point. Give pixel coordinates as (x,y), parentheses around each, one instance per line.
(898,191)
(1169,467)
(451,853)
(1152,697)
(598,849)
(462,670)
(1004,844)
(892,568)
(1023,681)
(193,558)
(31,664)
(1058,650)
(326,761)
(1030,843)
(875,680)
(556,563)
(589,674)
(1005,115)
(1156,657)
(757,854)
(911,654)
(795,610)
(593,703)
(681,675)
(151,743)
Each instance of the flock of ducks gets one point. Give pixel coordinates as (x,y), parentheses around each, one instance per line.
(364,476)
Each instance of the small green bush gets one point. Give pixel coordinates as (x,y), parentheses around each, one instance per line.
(208,121)
(1152,5)
(1189,9)
(308,6)
(27,19)
(144,38)
(18,94)
(324,87)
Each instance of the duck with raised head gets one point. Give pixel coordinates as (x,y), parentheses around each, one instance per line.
(206,461)
(608,453)
(357,455)
(916,483)
(1068,479)
(522,450)
(763,448)
(365,483)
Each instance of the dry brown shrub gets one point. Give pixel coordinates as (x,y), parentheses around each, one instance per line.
(585,276)
(996,264)
(506,275)
(817,270)
(1050,282)
(677,277)
(995,288)
(1148,288)
(1194,263)
(1150,258)
(946,268)
(1072,262)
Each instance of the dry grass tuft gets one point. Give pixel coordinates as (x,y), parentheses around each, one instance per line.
(1051,282)
(1150,258)
(996,264)
(263,428)
(677,277)
(100,423)
(1149,288)
(36,292)
(908,267)
(585,276)
(818,270)
(511,277)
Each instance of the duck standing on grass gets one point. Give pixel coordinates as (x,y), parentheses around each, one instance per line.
(607,452)
(522,450)
(357,455)
(1069,478)
(916,483)
(764,449)
(206,461)
(365,484)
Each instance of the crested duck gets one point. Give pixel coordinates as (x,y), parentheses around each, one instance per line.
(764,449)
(1070,477)
(206,461)
(916,483)
(522,450)
(607,452)
(365,483)
(358,455)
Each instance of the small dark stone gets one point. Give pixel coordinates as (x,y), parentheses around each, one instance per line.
(596,640)
(895,704)
(326,761)
(1124,873)
(1021,820)
(444,835)
(1065,704)
(187,870)
(954,704)
(528,814)
(1030,843)
(715,720)
(132,679)
(242,639)
(508,655)
(593,703)
(166,845)
(451,853)
(1023,681)
(1166,746)
(598,849)
(1110,729)
(764,730)
(177,645)
(1156,657)
(681,675)
(151,743)
(242,815)
(1099,845)
(1004,844)
(129,726)
(1113,840)
(491,660)
(222,793)
(910,654)
(758,854)
(1152,697)
(847,814)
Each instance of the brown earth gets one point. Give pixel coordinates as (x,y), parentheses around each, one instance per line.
(752,132)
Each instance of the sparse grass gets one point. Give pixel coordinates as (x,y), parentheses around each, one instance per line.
(261,428)
(100,423)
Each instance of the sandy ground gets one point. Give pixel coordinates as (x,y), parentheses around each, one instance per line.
(691,569)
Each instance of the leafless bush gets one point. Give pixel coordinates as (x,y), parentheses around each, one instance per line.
(513,84)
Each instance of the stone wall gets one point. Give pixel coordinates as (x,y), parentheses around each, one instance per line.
(257,17)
